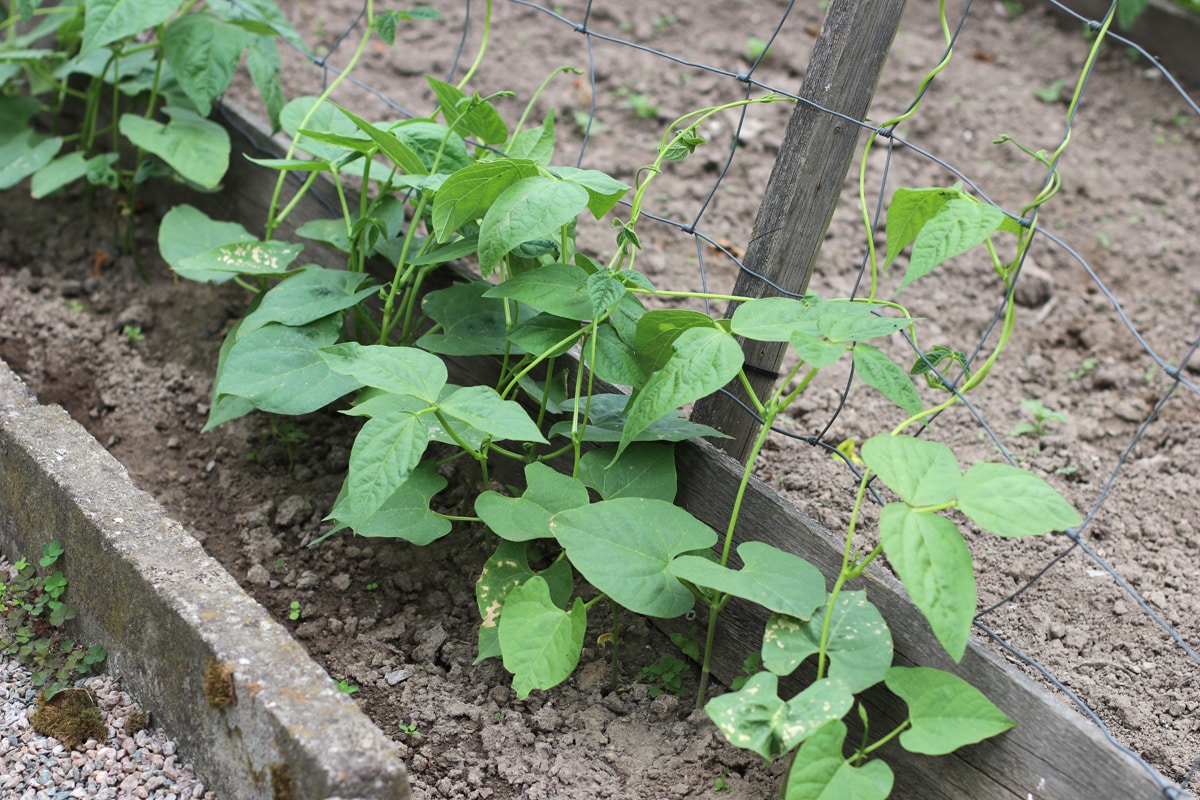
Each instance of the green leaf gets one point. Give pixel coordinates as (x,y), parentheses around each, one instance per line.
(278,368)
(643,470)
(546,335)
(520,519)
(186,231)
(68,169)
(958,225)
(704,360)
(853,322)
(482,121)
(241,258)
(472,324)
(774,579)
(532,208)
(934,564)
(907,214)
(535,144)
(656,332)
(859,646)
(613,360)
(820,771)
(405,515)
(606,423)
(440,149)
(754,718)
(507,568)
(604,191)
(946,712)
(262,61)
(385,452)
(470,192)
(921,472)
(558,289)
(396,150)
(106,21)
(193,146)
(604,290)
(1012,502)
(539,641)
(203,52)
(24,154)
(816,352)
(482,408)
(304,112)
(399,370)
(306,295)
(624,548)
(775,319)
(885,376)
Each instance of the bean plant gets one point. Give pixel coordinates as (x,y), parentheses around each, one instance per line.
(589,380)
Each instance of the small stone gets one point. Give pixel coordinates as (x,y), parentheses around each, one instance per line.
(1119,608)
(258,575)
(396,676)
(293,510)
(341,582)
(1057,630)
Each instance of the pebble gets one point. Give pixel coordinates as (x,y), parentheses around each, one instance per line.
(142,766)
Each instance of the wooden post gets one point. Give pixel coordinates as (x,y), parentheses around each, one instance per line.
(805,187)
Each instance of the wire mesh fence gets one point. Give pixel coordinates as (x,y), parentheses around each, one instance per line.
(1096,612)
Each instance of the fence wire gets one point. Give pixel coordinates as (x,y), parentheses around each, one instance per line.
(589,27)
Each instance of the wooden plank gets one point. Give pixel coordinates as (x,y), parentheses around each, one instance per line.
(1053,753)
(804,189)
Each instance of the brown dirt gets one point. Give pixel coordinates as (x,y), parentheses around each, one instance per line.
(400,622)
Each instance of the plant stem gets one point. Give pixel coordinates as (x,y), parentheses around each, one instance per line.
(615,675)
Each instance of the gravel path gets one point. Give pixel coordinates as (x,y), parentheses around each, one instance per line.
(36,767)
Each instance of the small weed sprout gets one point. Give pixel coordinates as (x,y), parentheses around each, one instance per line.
(345,687)
(1042,416)
(33,610)
(133,334)
(664,675)
(410,730)
(294,610)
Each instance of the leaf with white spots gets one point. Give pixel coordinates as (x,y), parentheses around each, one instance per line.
(755,718)
(507,569)
(859,646)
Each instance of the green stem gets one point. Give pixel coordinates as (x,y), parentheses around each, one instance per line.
(615,675)
(483,43)
(272,222)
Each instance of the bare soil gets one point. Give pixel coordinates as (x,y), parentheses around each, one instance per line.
(399,622)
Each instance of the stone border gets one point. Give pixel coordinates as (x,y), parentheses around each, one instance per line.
(169,615)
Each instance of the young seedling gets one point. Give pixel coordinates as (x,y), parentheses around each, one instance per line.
(33,610)
(294,610)
(1042,417)
(345,687)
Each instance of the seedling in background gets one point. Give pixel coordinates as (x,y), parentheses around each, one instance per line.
(294,610)
(345,687)
(752,665)
(133,334)
(1042,417)
(664,675)
(410,730)
(755,49)
(1087,366)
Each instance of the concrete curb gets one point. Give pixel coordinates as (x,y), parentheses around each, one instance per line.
(169,614)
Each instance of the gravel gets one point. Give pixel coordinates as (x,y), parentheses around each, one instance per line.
(144,764)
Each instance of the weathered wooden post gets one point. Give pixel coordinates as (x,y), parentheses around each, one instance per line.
(805,187)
